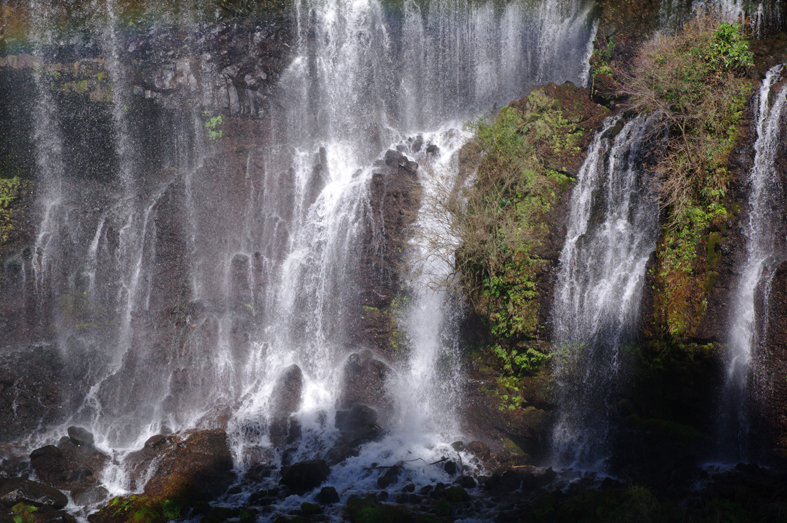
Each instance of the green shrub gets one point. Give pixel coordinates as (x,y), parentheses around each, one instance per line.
(500,220)
(695,85)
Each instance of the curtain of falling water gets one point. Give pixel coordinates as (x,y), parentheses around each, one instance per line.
(255,264)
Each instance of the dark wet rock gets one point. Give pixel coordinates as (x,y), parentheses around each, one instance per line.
(438,491)
(479,449)
(417,144)
(450,467)
(68,466)
(32,380)
(432,149)
(383,496)
(456,494)
(410,487)
(259,472)
(328,496)
(201,464)
(17,490)
(458,446)
(89,495)
(397,159)
(139,461)
(394,194)
(305,475)
(286,400)
(363,383)
(359,424)
(525,478)
(81,437)
(390,476)
(466,482)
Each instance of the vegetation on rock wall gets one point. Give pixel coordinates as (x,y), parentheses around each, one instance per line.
(526,154)
(695,83)
(9,190)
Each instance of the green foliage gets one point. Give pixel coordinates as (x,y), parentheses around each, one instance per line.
(369,510)
(171,509)
(695,84)
(520,360)
(310,508)
(23,513)
(729,49)
(602,54)
(143,509)
(9,191)
(213,126)
(500,219)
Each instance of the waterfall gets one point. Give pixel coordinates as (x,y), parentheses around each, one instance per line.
(612,232)
(762,16)
(764,252)
(183,274)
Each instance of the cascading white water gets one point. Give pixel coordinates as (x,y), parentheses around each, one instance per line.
(265,256)
(764,252)
(612,232)
(759,15)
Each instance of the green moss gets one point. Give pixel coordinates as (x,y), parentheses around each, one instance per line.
(369,510)
(23,513)
(310,508)
(143,509)
(10,189)
(456,494)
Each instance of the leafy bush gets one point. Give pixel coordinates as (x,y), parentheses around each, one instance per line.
(695,83)
(500,221)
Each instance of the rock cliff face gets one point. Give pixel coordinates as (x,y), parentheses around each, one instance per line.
(167,84)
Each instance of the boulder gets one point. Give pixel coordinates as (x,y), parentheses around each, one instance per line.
(479,449)
(80,437)
(89,495)
(199,467)
(18,490)
(397,159)
(328,496)
(286,400)
(305,475)
(359,424)
(68,466)
(363,383)
(466,482)
(390,477)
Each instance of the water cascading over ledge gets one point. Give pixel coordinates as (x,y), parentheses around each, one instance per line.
(213,210)
(765,251)
(612,232)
